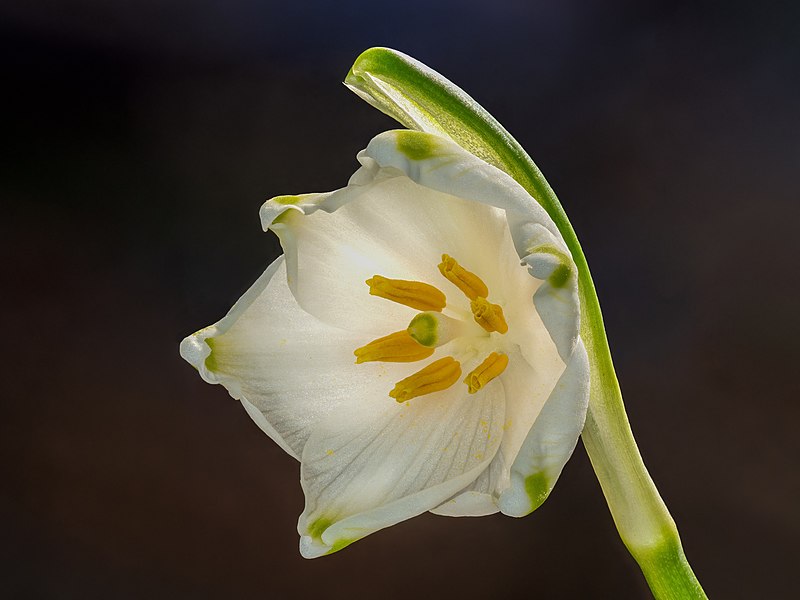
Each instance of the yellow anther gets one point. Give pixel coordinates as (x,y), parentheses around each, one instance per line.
(490,368)
(437,376)
(488,315)
(467,282)
(396,347)
(415,294)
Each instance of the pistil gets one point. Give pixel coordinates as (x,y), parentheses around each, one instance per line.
(433,329)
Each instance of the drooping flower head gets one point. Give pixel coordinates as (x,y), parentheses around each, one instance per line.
(416,347)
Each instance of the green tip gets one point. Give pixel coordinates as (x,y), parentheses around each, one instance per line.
(563,271)
(416,145)
(211,360)
(316,528)
(537,486)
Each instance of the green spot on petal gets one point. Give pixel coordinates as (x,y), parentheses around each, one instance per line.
(560,276)
(340,544)
(287,200)
(416,145)
(284,216)
(538,488)
(316,528)
(295,202)
(211,360)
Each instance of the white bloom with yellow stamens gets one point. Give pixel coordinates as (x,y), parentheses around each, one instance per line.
(417,347)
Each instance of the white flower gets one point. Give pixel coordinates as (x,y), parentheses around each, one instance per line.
(416,348)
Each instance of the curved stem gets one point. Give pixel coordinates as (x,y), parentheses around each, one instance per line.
(422,99)
(668,572)
(641,517)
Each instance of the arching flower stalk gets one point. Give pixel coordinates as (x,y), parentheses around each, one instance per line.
(417,346)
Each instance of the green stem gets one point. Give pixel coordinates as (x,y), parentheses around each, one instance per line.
(668,572)
(422,99)
(642,518)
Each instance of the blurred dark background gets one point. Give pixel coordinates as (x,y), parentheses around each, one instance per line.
(139,140)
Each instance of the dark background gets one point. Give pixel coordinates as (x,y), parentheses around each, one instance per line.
(139,140)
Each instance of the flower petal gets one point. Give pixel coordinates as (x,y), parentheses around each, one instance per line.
(550,442)
(527,388)
(440,164)
(556,300)
(366,469)
(477,499)
(263,351)
(386,225)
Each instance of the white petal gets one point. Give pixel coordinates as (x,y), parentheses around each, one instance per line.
(367,469)
(551,441)
(441,164)
(479,498)
(415,197)
(556,300)
(388,226)
(527,388)
(289,369)
(468,504)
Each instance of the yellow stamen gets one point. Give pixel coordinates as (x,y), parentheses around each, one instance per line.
(396,347)
(467,282)
(415,294)
(437,376)
(488,315)
(490,368)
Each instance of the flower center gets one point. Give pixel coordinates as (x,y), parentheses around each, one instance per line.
(431,329)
